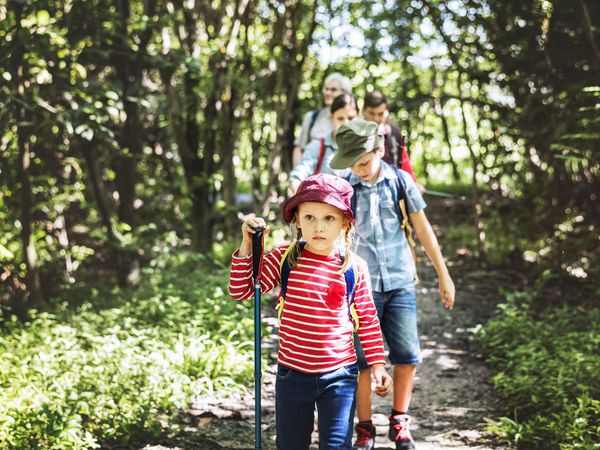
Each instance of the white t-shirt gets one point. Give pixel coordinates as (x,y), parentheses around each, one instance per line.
(323,126)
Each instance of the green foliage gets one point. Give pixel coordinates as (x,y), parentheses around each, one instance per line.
(547,367)
(113,367)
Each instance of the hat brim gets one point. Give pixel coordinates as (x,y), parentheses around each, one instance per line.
(313,195)
(345,159)
(339,162)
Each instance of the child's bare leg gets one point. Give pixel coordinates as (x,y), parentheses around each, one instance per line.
(404,377)
(363,395)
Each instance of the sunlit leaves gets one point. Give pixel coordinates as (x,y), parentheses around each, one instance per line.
(81,377)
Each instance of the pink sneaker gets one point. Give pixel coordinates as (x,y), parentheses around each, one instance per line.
(400,432)
(365,436)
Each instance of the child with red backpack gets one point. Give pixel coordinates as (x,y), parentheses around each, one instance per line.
(376,109)
(326,297)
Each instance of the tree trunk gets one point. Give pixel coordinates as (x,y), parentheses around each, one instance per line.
(439,109)
(475,198)
(33,287)
(100,195)
(125,164)
(589,31)
(30,258)
(230,129)
(424,161)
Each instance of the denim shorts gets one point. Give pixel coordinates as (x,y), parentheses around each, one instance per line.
(397,311)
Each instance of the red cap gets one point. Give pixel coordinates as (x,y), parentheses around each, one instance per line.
(324,188)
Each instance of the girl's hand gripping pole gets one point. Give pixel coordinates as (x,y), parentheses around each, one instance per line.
(257,253)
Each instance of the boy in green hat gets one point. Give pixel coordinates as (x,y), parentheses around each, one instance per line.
(380,240)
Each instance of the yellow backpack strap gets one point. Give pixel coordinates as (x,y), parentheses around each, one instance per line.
(279,308)
(406,226)
(284,272)
(354,315)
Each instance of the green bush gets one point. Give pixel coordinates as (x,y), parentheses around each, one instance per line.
(119,363)
(548,368)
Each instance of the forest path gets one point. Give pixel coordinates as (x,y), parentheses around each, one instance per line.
(452,397)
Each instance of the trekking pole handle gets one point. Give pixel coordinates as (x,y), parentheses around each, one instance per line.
(257,244)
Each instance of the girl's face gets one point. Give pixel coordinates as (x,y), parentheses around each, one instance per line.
(330,91)
(367,168)
(321,226)
(343,115)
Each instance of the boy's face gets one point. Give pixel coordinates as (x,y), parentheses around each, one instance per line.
(377,114)
(368,166)
(321,225)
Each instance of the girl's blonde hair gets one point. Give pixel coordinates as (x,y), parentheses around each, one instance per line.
(294,254)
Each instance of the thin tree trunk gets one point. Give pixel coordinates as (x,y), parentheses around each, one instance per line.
(439,109)
(34,295)
(230,130)
(475,198)
(424,160)
(32,277)
(129,73)
(589,31)
(89,153)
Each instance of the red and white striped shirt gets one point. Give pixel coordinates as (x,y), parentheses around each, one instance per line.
(315,335)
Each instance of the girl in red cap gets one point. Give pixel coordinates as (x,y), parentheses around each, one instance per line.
(320,309)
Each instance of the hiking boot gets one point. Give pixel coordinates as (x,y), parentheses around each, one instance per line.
(399,432)
(365,436)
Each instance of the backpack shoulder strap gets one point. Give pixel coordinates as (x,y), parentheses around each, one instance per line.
(322,149)
(400,200)
(313,118)
(285,269)
(394,148)
(350,276)
(355,187)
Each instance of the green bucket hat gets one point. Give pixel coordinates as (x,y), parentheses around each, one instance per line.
(354,139)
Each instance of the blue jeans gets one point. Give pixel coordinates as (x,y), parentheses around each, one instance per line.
(296,395)
(397,311)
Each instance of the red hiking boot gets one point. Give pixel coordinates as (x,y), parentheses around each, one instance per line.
(400,432)
(365,436)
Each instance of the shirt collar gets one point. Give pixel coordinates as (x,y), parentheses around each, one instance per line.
(385,172)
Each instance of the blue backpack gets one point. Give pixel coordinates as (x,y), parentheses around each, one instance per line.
(285,269)
(398,187)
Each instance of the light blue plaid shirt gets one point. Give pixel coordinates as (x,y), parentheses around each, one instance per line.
(380,239)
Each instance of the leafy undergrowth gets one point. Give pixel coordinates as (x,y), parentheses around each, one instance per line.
(547,367)
(123,360)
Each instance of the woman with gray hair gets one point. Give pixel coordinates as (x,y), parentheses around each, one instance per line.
(317,123)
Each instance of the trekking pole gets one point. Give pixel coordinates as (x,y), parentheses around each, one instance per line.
(257,249)
(445,195)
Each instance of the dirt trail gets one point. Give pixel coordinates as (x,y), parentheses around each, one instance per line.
(452,397)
